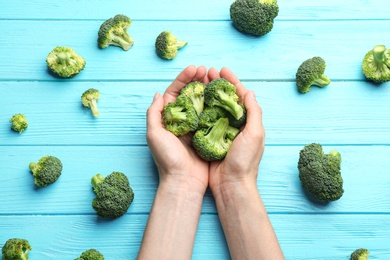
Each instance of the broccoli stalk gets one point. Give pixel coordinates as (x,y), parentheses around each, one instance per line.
(89,99)
(213,143)
(65,62)
(16,249)
(376,64)
(222,93)
(114,32)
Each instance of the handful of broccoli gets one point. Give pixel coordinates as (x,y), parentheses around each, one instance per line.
(211,112)
(16,249)
(113,195)
(320,173)
(254,17)
(46,171)
(19,123)
(91,254)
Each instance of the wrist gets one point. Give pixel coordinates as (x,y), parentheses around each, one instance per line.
(182,186)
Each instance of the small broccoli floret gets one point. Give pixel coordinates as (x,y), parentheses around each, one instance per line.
(114,32)
(210,115)
(46,171)
(16,249)
(222,93)
(65,62)
(255,17)
(213,143)
(180,117)
(89,99)
(113,195)
(91,254)
(311,73)
(195,92)
(167,45)
(360,254)
(19,123)
(320,173)
(237,123)
(376,64)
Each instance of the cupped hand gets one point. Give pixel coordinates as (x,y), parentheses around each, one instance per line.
(242,161)
(176,160)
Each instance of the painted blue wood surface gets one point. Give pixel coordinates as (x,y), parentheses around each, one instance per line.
(350,115)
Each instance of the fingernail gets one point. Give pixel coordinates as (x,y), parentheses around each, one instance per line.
(252,94)
(156,96)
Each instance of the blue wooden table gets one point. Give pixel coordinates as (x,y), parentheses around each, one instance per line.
(351,115)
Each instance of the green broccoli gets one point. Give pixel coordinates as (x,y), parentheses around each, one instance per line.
(320,173)
(210,115)
(195,92)
(376,64)
(360,254)
(91,254)
(180,117)
(89,99)
(237,123)
(114,32)
(19,123)
(16,249)
(222,93)
(254,17)
(113,195)
(214,142)
(311,73)
(46,171)
(65,62)
(167,45)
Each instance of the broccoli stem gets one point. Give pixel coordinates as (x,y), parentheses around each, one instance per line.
(230,105)
(198,105)
(96,180)
(175,114)
(268,2)
(379,55)
(321,81)
(180,44)
(218,131)
(94,107)
(124,42)
(32,166)
(335,154)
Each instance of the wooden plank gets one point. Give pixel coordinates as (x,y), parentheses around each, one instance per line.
(189,10)
(328,115)
(278,180)
(301,236)
(274,57)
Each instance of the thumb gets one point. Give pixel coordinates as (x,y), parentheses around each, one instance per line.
(154,113)
(254,120)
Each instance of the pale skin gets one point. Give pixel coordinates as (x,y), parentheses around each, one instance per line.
(184,178)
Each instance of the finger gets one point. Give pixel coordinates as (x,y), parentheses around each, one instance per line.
(213,74)
(229,76)
(181,80)
(201,73)
(154,112)
(254,121)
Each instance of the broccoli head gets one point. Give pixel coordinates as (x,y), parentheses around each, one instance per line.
(16,249)
(46,171)
(210,115)
(222,93)
(213,143)
(195,92)
(254,17)
(320,173)
(180,117)
(360,254)
(19,123)
(91,254)
(167,45)
(114,32)
(89,99)
(65,62)
(311,73)
(376,64)
(113,195)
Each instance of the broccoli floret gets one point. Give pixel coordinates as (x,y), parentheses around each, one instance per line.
(19,123)
(195,92)
(237,123)
(376,64)
(91,254)
(311,73)
(46,171)
(360,254)
(254,17)
(180,117)
(320,173)
(114,32)
(16,249)
(167,45)
(65,62)
(222,93)
(210,115)
(89,99)
(213,143)
(113,195)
